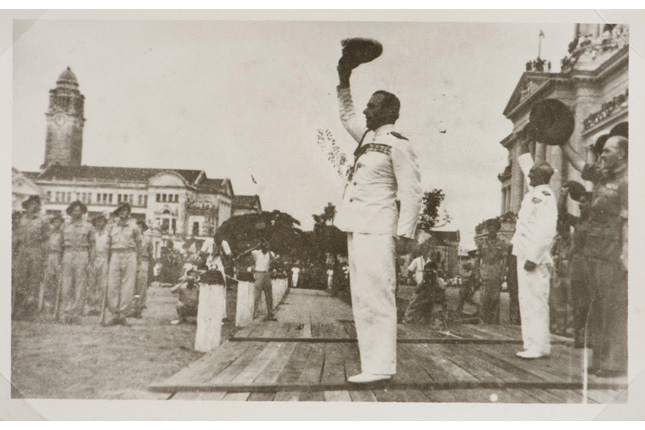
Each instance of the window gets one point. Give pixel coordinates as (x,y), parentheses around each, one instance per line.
(163,197)
(69,196)
(158,197)
(110,198)
(176,198)
(145,200)
(49,196)
(174,225)
(195,229)
(131,199)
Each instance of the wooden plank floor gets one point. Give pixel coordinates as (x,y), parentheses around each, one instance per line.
(309,353)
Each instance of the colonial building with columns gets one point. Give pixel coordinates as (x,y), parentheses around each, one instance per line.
(179,205)
(592,83)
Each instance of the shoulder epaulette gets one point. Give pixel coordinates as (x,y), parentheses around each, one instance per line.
(395,134)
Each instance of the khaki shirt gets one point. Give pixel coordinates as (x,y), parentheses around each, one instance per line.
(102,242)
(536,220)
(385,171)
(55,241)
(126,236)
(493,255)
(78,235)
(262,261)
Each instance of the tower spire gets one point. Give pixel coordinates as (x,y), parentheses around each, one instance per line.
(64,141)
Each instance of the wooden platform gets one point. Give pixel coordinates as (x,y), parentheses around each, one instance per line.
(309,353)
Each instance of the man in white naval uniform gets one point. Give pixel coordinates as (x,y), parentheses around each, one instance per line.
(385,170)
(534,234)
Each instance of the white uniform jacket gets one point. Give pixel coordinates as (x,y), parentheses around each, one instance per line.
(536,221)
(386,169)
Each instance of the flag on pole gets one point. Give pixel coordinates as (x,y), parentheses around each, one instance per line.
(541,33)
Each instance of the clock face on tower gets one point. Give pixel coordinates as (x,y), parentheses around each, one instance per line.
(59,119)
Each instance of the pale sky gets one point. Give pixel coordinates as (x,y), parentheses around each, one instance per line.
(238,98)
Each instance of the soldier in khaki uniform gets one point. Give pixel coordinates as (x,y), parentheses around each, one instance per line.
(29,243)
(49,289)
(143,269)
(125,244)
(606,252)
(385,171)
(99,266)
(78,252)
(492,254)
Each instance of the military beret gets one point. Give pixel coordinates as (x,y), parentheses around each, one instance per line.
(122,206)
(576,190)
(76,203)
(32,200)
(98,218)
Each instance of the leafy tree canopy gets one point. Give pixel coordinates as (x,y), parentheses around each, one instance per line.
(430,217)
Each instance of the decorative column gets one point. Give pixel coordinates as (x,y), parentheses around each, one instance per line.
(517,183)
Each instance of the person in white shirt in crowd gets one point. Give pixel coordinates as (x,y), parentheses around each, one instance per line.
(330,278)
(295,273)
(534,234)
(416,267)
(262,259)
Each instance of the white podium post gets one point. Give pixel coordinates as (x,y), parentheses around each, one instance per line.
(244,306)
(209,317)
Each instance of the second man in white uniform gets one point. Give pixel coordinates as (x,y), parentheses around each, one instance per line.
(534,233)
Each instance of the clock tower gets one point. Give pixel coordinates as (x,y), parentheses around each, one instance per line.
(64,141)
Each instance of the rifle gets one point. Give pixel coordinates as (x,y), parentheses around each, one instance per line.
(105,292)
(59,291)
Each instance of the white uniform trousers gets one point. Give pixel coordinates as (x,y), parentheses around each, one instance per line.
(372,278)
(533,293)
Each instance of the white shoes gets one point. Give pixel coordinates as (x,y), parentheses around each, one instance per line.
(366,378)
(531,355)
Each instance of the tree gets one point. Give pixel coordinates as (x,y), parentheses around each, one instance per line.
(280,229)
(430,217)
(326,238)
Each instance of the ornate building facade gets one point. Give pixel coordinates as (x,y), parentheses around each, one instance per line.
(179,205)
(593,83)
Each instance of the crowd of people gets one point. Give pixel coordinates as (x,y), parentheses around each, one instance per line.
(75,267)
